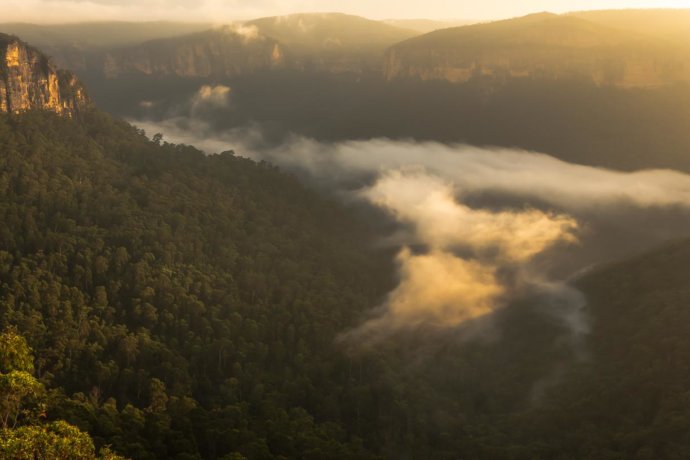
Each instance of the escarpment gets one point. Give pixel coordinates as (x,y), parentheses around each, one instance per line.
(28,81)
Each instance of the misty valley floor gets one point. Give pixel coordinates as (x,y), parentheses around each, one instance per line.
(320,236)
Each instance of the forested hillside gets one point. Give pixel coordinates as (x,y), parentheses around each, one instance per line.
(188,306)
(632,401)
(628,397)
(185,306)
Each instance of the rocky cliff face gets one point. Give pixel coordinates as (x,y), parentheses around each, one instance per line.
(29,81)
(223,52)
(622,71)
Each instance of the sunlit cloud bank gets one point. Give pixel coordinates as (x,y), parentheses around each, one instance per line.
(440,286)
(211,97)
(478,227)
(428,203)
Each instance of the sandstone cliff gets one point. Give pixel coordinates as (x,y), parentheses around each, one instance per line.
(543,46)
(222,52)
(28,81)
(333,43)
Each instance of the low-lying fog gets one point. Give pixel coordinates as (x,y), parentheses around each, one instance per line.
(478,227)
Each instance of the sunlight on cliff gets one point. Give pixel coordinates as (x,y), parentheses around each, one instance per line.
(12,55)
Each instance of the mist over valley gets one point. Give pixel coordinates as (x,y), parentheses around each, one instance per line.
(319,235)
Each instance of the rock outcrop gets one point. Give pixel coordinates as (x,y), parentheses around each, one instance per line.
(28,81)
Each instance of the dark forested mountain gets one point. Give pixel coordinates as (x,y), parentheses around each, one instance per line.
(624,396)
(178,305)
(186,306)
(183,304)
(630,399)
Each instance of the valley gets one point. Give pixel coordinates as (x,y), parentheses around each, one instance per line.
(322,236)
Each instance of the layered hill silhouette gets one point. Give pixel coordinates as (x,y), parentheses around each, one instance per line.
(545,46)
(671,25)
(629,49)
(428,25)
(333,41)
(328,31)
(328,42)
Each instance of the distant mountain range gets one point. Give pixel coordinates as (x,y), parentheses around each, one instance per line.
(331,42)
(622,48)
(425,26)
(606,88)
(323,42)
(541,46)
(670,25)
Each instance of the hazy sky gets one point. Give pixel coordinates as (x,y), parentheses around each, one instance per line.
(227,10)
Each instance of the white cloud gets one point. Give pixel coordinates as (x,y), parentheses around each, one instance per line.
(479,227)
(438,286)
(248,33)
(428,202)
(211,97)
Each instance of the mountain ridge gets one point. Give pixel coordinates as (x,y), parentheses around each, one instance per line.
(541,45)
(331,42)
(671,25)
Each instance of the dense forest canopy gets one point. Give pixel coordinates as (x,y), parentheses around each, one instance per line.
(163,290)
(184,306)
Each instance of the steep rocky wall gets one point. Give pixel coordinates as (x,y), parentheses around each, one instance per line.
(214,54)
(29,81)
(624,69)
